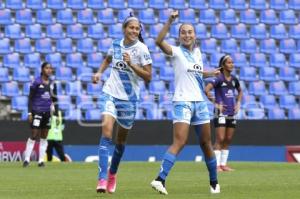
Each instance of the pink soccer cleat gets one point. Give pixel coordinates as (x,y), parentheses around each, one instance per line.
(101,186)
(226,168)
(112,183)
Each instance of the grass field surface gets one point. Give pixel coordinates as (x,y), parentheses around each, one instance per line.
(187,180)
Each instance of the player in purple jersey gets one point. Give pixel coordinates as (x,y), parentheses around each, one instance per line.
(42,97)
(226,106)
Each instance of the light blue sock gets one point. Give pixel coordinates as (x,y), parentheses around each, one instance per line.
(103,157)
(115,161)
(166,165)
(211,164)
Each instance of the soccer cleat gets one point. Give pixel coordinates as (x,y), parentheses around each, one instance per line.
(25,164)
(219,169)
(158,186)
(41,164)
(215,189)
(101,186)
(111,183)
(226,168)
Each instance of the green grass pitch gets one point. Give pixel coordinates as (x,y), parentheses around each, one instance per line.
(187,180)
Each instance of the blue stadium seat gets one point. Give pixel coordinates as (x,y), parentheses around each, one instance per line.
(287,74)
(115,31)
(64,45)
(35,4)
(24,17)
(218,4)
(12,60)
(4,46)
(278,4)
(19,103)
(164,15)
(94,89)
(34,31)
(219,31)
(248,74)
(147,16)
(96,4)
(106,16)
(294,31)
(277,88)
(23,45)
(73,88)
(277,60)
(26,88)
(13,31)
(276,114)
(187,16)
(268,46)
(248,17)
(255,114)
(248,101)
(294,88)
(155,75)
(85,45)
(248,46)
(96,31)
(158,60)
(44,17)
(85,16)
(73,114)
(258,60)
(104,45)
(155,29)
(74,60)
(21,74)
(294,60)
(294,4)
(239,59)
(85,102)
(288,17)
(166,73)
(228,17)
(75,31)
(239,31)
(198,4)
(229,46)
(287,102)
(215,59)
(177,4)
(238,4)
(10,89)
(64,102)
(174,30)
(267,74)
(257,88)
(6,17)
(150,43)
(55,4)
(65,17)
(294,114)
(209,45)
(76,4)
(201,32)
(208,17)
(123,14)
(4,75)
(14,4)
(298,44)
(258,31)
(268,17)
(93,115)
(116,4)
(278,32)
(287,46)
(137,4)
(94,60)
(55,31)
(157,4)
(258,4)
(84,74)
(157,87)
(268,101)
(63,74)
(32,60)
(43,45)
(54,59)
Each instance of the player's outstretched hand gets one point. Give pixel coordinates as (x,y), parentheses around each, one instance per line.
(96,77)
(173,16)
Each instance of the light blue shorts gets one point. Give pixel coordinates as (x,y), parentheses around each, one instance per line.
(122,110)
(193,113)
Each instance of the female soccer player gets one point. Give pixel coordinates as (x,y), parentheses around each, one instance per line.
(225,109)
(130,61)
(188,101)
(41,97)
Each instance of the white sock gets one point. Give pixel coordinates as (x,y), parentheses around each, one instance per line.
(42,149)
(29,147)
(224,157)
(218,156)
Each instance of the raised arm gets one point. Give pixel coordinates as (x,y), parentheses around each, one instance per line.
(97,76)
(163,45)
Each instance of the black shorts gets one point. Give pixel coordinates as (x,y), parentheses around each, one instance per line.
(40,120)
(225,121)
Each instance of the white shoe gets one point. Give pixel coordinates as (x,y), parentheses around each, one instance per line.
(217,189)
(158,186)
